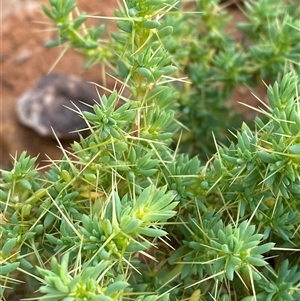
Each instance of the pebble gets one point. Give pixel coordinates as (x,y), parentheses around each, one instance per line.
(50,104)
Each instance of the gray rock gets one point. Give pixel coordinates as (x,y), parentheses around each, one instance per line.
(46,105)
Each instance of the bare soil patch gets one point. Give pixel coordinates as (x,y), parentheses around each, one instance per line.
(24,60)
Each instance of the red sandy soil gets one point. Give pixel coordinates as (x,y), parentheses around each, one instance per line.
(24,60)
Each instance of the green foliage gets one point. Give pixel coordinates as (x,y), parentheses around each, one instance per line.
(127,215)
(216,62)
(87,284)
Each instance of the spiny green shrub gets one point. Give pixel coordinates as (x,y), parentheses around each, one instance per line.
(208,56)
(125,215)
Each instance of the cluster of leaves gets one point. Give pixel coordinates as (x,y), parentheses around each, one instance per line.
(72,30)
(123,216)
(216,62)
